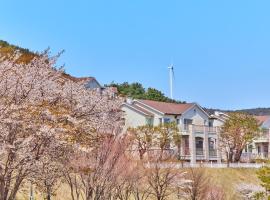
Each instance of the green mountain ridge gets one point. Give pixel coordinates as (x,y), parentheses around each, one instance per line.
(252,111)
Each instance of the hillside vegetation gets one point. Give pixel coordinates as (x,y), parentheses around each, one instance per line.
(7,50)
(137,91)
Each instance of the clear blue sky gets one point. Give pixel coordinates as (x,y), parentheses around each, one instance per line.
(220,48)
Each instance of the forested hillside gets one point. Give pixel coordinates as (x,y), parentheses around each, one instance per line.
(137,91)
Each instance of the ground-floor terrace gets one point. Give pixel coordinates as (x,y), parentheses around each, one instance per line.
(201,144)
(256,151)
(199,149)
(259,148)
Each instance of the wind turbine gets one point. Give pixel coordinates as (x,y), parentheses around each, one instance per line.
(171,74)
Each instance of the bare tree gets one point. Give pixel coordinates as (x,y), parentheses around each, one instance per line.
(198,186)
(141,189)
(103,168)
(163,178)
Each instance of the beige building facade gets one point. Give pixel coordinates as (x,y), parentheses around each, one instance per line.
(196,127)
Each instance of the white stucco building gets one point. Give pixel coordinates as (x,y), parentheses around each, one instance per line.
(260,148)
(199,135)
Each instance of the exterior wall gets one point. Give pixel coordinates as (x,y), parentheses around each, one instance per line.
(133,118)
(157,119)
(198,117)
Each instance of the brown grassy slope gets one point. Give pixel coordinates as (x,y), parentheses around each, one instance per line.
(227,179)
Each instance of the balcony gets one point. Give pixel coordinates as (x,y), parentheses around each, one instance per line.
(263,137)
(199,129)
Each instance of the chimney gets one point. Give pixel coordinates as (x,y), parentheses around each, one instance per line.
(129,101)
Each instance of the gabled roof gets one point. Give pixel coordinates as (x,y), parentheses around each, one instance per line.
(262,119)
(168,108)
(138,109)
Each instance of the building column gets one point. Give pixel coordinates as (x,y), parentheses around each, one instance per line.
(192,146)
(206,145)
(218,146)
(262,152)
(183,146)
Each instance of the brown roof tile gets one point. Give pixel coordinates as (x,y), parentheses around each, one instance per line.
(168,108)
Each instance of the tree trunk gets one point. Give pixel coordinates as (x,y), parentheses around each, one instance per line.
(231,156)
(237,156)
(48,193)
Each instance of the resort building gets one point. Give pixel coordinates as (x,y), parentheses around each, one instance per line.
(196,127)
(260,148)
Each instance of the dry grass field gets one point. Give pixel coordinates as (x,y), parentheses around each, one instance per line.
(228,179)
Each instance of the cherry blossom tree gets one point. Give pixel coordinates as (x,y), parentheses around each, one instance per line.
(37,104)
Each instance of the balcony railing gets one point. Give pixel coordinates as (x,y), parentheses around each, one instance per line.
(199,152)
(212,153)
(250,156)
(198,129)
(264,134)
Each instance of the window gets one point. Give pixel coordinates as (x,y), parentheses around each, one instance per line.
(167,120)
(160,120)
(149,121)
(177,121)
(187,122)
(212,143)
(210,123)
(250,147)
(259,149)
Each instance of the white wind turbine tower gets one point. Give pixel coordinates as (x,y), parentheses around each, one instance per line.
(171,73)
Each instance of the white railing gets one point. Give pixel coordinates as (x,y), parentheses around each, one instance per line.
(208,165)
(198,129)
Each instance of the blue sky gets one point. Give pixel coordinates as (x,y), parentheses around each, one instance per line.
(220,49)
